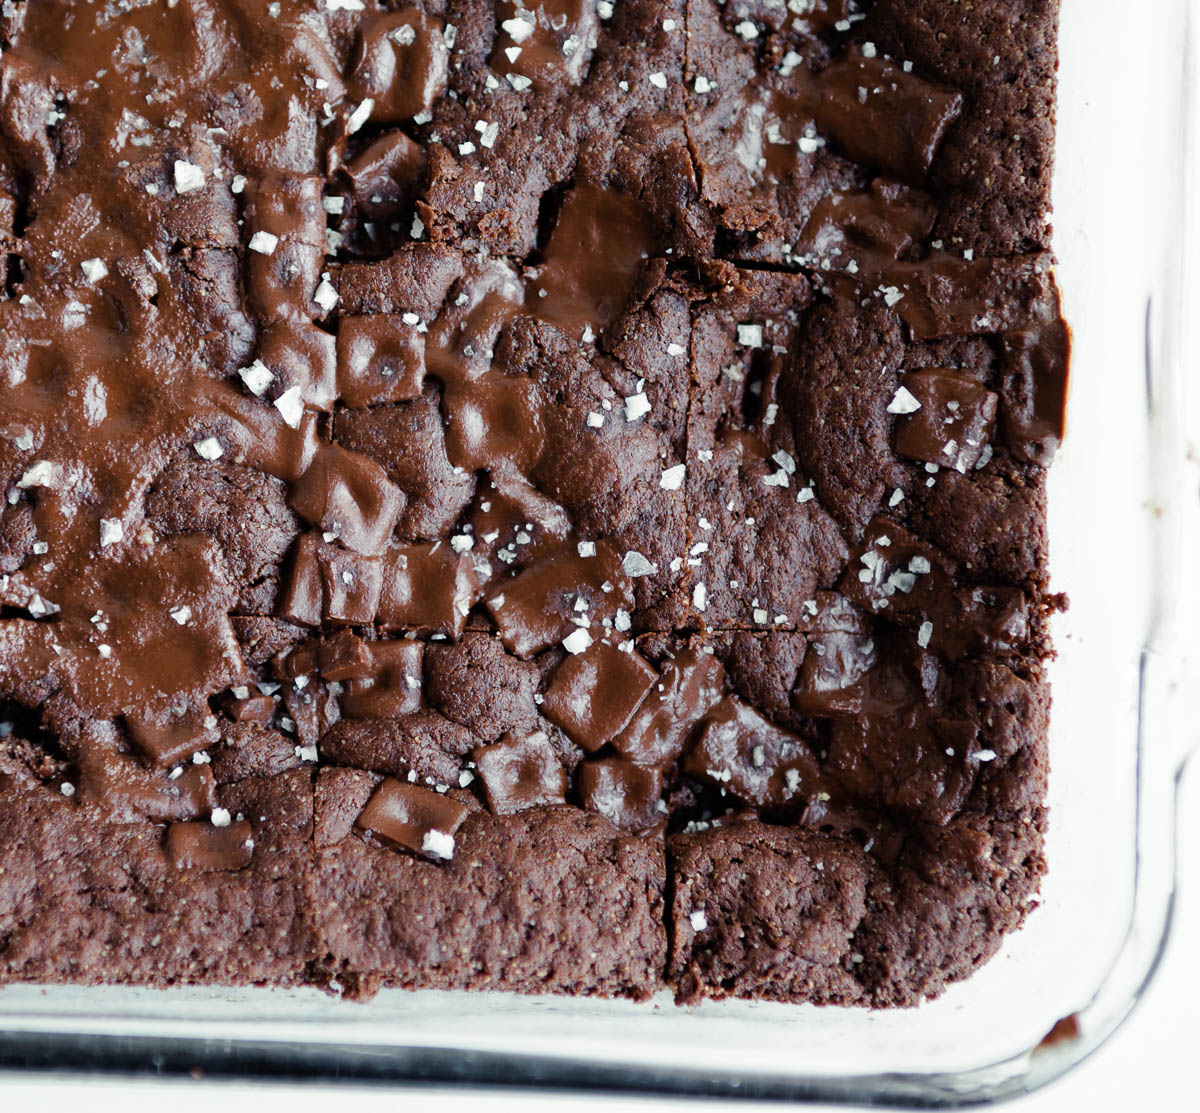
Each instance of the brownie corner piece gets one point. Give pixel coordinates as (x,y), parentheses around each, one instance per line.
(992,177)
(90,896)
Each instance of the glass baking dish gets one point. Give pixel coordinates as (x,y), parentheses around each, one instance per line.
(1123,508)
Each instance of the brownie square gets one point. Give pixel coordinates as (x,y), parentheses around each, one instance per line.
(550,900)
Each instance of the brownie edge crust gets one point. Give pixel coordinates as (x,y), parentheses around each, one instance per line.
(544,497)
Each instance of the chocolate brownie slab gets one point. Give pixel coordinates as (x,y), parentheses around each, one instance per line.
(546,498)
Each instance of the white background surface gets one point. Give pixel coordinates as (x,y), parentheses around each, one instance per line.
(1148,1065)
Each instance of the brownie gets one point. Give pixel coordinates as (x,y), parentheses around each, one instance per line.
(547,499)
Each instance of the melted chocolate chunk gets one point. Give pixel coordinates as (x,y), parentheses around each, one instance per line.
(427,589)
(301,361)
(285,229)
(462,339)
(329,584)
(413,818)
(384,176)
(688,685)
(893,570)
(884,117)
(841,651)
(513,522)
(493,421)
(593,694)
(203,846)
(379,359)
(246,706)
(519,772)
(740,752)
(342,657)
(546,602)
(944,296)
(118,785)
(629,796)
(864,232)
(592,260)
(400,64)
(350,498)
(1035,361)
(170,737)
(387,684)
(953,424)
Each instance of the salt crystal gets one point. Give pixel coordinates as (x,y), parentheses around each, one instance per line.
(188,176)
(672,478)
(209,449)
(438,843)
(905,402)
(264,243)
(93,270)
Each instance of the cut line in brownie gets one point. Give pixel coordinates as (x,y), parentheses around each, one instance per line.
(490,506)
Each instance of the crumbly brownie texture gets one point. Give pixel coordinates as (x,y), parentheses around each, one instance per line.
(541,498)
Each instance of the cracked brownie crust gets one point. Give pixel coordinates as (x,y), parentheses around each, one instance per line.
(525,497)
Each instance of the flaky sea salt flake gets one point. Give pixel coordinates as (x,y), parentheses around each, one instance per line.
(360,115)
(257,377)
(636,405)
(577,640)
(111,532)
(291,406)
(325,295)
(188,176)
(672,478)
(264,243)
(438,843)
(750,335)
(636,565)
(209,449)
(93,270)
(904,402)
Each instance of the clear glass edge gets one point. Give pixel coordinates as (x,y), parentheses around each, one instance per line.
(34,1041)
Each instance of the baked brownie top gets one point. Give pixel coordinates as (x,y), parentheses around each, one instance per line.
(599,432)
